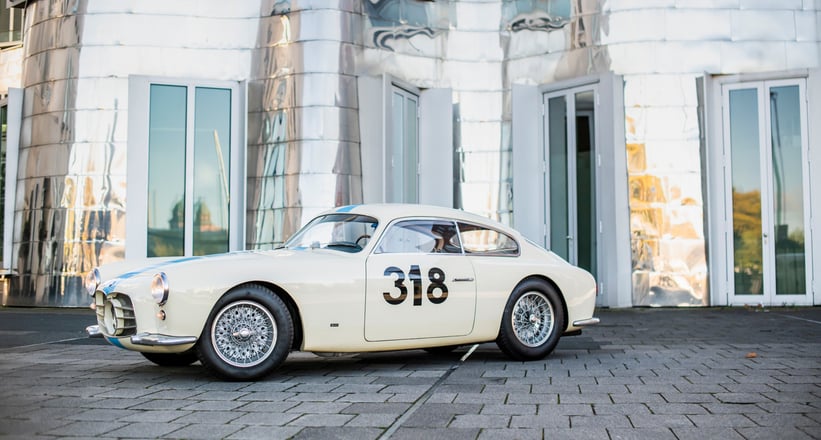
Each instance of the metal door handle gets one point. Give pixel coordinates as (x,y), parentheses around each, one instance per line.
(467,279)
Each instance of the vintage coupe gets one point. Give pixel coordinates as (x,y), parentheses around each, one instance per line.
(354,279)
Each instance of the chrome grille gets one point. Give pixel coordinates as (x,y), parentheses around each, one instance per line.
(115,314)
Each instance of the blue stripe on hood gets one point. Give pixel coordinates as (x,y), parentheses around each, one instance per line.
(110,286)
(348,208)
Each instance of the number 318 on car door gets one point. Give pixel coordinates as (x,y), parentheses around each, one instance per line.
(418,296)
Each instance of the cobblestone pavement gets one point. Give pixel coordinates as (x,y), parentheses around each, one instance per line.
(643,373)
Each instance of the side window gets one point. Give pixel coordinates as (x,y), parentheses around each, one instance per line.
(480,240)
(421,237)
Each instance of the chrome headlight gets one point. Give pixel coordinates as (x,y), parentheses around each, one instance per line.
(159,288)
(92,281)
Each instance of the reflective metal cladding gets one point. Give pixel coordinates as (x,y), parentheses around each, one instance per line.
(300,60)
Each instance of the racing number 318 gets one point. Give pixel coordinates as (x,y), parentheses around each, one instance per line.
(437,282)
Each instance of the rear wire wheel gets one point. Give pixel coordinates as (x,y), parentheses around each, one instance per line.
(248,334)
(533,321)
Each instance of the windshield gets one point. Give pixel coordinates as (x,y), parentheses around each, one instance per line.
(342,232)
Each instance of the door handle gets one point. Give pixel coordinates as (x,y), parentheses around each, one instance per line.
(465,279)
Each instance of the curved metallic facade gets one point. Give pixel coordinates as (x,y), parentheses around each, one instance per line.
(301,60)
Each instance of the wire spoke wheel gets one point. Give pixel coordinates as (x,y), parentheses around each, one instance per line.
(532,319)
(244,334)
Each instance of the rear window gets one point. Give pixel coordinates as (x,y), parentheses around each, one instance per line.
(486,241)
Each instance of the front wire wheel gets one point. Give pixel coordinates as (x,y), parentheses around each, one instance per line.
(248,334)
(243,334)
(533,321)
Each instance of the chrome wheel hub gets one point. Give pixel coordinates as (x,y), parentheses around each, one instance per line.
(244,334)
(532,319)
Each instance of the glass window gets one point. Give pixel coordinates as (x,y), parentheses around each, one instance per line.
(188,214)
(481,240)
(343,232)
(403,154)
(421,237)
(212,148)
(166,170)
(11,24)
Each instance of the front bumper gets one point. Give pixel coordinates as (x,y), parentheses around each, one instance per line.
(153,340)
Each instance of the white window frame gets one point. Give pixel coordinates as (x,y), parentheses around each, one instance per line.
(717,164)
(137,181)
(14,123)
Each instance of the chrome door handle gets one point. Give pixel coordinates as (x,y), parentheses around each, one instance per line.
(467,279)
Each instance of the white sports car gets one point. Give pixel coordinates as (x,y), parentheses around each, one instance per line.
(354,279)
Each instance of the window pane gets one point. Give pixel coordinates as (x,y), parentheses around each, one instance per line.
(212,157)
(746,190)
(421,236)
(166,170)
(396,179)
(480,240)
(411,152)
(557,151)
(341,232)
(585,183)
(788,191)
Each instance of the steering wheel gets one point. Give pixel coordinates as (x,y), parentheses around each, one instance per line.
(362,237)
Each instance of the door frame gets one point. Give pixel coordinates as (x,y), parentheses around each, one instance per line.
(719,206)
(527,127)
(571,151)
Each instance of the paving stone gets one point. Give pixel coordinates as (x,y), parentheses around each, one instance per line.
(264,418)
(659,420)
(320,420)
(780,433)
(205,431)
(511,434)
(641,434)
(602,421)
(707,433)
(576,433)
(436,434)
(480,421)
(145,430)
(343,433)
(265,433)
(720,420)
(373,420)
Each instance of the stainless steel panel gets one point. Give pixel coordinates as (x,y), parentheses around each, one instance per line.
(697,25)
(763,25)
(635,25)
(665,183)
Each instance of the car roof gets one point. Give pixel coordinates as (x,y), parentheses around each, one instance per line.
(389,211)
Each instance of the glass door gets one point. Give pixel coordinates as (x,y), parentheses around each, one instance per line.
(570,153)
(765,137)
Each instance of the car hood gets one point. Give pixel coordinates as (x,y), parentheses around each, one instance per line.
(222,269)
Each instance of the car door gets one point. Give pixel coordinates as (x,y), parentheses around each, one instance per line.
(419,283)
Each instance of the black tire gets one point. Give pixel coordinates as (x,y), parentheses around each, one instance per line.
(172,359)
(441,351)
(533,321)
(248,334)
